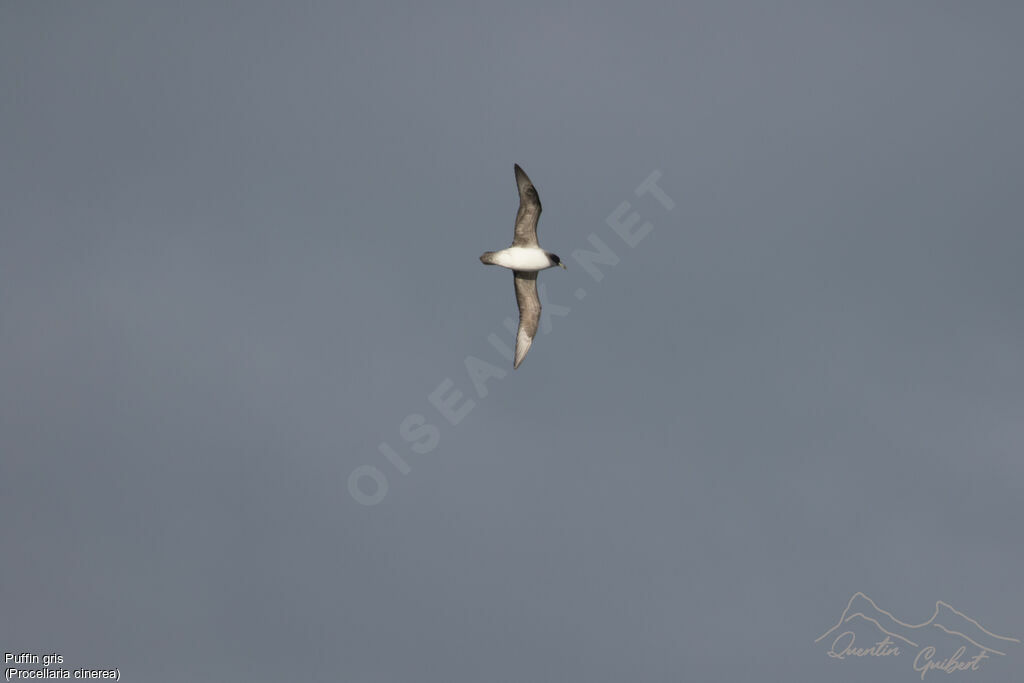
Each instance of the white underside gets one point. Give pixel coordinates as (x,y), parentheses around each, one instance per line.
(522,258)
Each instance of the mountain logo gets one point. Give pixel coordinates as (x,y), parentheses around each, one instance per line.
(949,641)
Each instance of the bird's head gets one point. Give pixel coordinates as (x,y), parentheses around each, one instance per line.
(556,261)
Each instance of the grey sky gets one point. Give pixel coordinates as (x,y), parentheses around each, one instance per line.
(238,247)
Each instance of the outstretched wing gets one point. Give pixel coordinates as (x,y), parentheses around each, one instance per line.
(529,212)
(529,313)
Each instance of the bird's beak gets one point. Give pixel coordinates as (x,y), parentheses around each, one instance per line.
(563,266)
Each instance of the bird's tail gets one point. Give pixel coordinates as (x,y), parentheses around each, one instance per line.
(487,257)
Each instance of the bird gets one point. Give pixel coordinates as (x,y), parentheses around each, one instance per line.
(525,259)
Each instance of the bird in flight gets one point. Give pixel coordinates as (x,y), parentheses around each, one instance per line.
(525,259)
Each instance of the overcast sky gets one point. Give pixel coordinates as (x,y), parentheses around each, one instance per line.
(239,252)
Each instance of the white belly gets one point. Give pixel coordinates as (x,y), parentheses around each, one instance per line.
(522,258)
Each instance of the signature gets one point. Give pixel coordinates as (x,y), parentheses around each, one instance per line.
(862,615)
